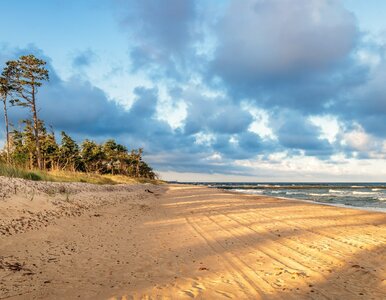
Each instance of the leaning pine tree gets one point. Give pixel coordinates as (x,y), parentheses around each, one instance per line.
(5,90)
(29,73)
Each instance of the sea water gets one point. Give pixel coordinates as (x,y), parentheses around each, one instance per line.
(360,195)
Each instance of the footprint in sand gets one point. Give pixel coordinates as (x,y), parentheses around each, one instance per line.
(225,294)
(195,290)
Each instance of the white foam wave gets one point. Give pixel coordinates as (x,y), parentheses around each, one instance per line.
(294,193)
(337,191)
(363,193)
(248,191)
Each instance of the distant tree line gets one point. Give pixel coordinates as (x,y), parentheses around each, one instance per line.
(33,146)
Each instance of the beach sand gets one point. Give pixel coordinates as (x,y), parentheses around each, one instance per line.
(79,241)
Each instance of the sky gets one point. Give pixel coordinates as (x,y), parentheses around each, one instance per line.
(220,90)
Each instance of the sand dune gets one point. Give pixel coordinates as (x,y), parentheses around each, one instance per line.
(183,242)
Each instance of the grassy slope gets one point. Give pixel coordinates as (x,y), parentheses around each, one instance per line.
(65,176)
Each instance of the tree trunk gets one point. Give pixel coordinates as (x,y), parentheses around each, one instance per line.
(31,163)
(6,127)
(36,129)
(137,167)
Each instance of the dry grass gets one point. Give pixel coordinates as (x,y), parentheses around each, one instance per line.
(66,176)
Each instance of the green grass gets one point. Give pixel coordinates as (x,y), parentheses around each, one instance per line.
(10,171)
(65,176)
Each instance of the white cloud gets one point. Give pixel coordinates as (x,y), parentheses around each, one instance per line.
(172,111)
(260,124)
(368,58)
(302,168)
(204,138)
(329,126)
(215,157)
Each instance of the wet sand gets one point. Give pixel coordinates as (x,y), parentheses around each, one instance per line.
(183,242)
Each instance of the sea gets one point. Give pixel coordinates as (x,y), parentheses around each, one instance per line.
(370,196)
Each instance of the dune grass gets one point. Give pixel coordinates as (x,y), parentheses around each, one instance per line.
(10,171)
(66,176)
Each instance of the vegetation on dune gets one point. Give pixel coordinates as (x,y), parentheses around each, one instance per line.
(68,176)
(33,152)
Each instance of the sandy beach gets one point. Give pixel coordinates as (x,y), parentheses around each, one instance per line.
(82,241)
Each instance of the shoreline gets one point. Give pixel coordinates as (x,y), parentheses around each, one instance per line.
(365,208)
(187,241)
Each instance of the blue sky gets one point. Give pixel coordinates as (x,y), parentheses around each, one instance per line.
(251,90)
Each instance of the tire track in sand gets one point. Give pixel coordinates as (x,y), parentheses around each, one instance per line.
(250,283)
(288,262)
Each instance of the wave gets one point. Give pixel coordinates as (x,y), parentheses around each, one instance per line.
(248,191)
(363,193)
(372,197)
(295,193)
(337,191)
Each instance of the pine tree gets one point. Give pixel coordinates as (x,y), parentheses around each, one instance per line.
(19,153)
(68,153)
(115,156)
(6,88)
(29,142)
(50,149)
(29,73)
(93,156)
(138,157)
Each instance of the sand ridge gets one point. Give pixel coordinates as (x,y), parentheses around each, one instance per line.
(27,205)
(184,242)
